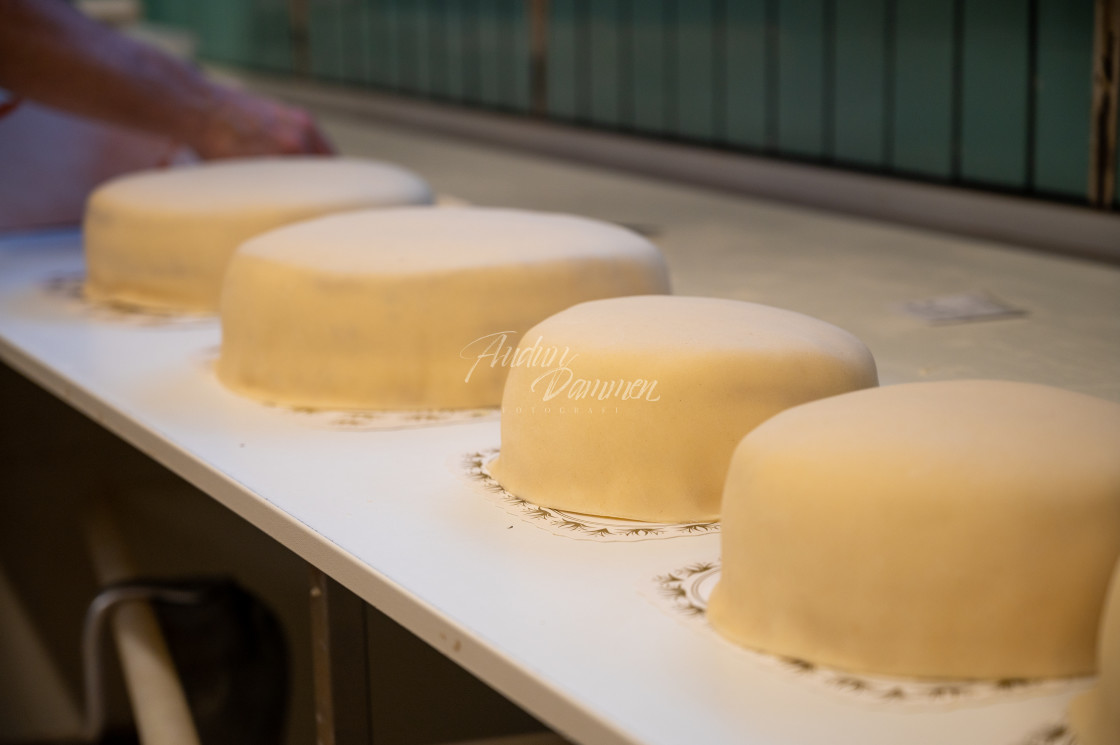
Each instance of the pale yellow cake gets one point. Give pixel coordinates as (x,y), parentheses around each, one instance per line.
(412,307)
(963,529)
(161,239)
(1095,716)
(631,407)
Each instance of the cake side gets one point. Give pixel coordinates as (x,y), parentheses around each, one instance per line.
(955,529)
(631,407)
(1095,716)
(162,239)
(356,311)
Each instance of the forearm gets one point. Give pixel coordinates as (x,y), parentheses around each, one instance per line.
(52,54)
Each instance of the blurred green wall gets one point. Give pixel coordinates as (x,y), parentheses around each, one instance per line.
(994,94)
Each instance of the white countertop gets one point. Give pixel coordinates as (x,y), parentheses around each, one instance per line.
(572,629)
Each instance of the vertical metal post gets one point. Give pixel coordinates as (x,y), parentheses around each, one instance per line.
(1106,101)
(339,663)
(299,35)
(538,56)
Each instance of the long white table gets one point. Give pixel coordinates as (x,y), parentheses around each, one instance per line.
(568,628)
(573,630)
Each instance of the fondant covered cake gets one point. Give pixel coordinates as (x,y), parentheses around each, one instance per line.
(631,407)
(412,307)
(1095,716)
(962,529)
(162,239)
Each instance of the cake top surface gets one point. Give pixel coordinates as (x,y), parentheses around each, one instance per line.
(264,183)
(680,324)
(1019,431)
(408,240)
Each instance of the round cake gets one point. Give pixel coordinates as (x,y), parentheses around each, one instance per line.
(1095,716)
(963,529)
(412,307)
(631,407)
(161,240)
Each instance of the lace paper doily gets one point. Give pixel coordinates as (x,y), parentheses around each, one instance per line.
(685,593)
(70,288)
(368,420)
(574,524)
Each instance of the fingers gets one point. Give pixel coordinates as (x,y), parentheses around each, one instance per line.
(310,140)
(247,125)
(317,143)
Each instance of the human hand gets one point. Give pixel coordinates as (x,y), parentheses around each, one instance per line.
(238,124)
